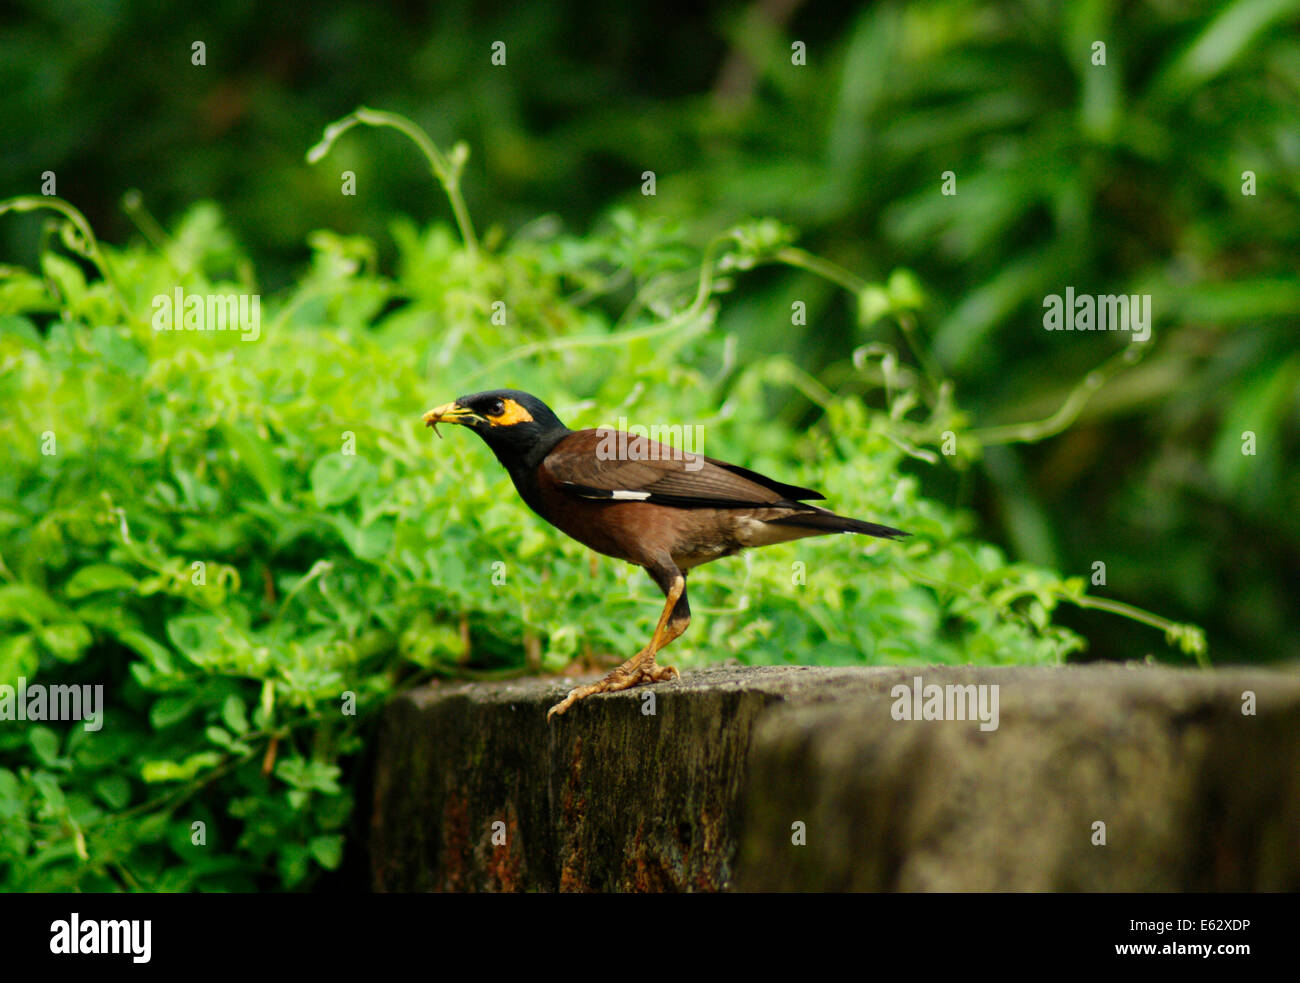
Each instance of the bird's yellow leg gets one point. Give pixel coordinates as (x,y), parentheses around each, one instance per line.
(641,668)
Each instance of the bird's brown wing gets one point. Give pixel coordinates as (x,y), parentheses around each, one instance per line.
(597,464)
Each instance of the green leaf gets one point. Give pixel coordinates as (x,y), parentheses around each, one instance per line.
(258,459)
(157,655)
(234,714)
(98,577)
(337,478)
(28,604)
(873,304)
(114,791)
(328,850)
(51,791)
(372,542)
(198,636)
(18,657)
(170,710)
(266,704)
(304,774)
(905,291)
(67,277)
(173,771)
(45,743)
(66,641)
(11,804)
(1226,39)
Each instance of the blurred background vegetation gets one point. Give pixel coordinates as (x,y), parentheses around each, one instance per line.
(924,315)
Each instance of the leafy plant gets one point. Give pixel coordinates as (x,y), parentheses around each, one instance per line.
(252,544)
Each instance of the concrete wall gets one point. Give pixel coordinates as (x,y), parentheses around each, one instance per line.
(476,791)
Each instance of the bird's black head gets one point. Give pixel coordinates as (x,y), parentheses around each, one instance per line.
(520,429)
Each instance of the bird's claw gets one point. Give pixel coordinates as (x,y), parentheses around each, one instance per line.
(620,679)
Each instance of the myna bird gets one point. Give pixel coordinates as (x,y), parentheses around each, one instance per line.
(641,501)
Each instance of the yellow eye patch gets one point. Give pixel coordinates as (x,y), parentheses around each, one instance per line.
(513,413)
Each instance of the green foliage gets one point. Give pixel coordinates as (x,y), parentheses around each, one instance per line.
(1124,177)
(245,540)
(1131,177)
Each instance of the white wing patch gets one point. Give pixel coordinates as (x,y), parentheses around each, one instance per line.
(629,496)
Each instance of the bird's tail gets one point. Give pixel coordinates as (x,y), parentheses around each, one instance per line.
(826,521)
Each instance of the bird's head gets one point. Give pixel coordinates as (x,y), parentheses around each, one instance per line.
(519,428)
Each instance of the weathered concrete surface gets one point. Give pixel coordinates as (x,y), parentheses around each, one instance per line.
(703,794)
(604,798)
(1195,795)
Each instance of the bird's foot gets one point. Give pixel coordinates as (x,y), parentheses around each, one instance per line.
(625,676)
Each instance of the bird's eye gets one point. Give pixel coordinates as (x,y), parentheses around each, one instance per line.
(497,409)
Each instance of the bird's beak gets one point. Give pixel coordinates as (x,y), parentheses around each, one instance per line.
(450,413)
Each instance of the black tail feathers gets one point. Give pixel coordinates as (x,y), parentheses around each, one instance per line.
(825,521)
